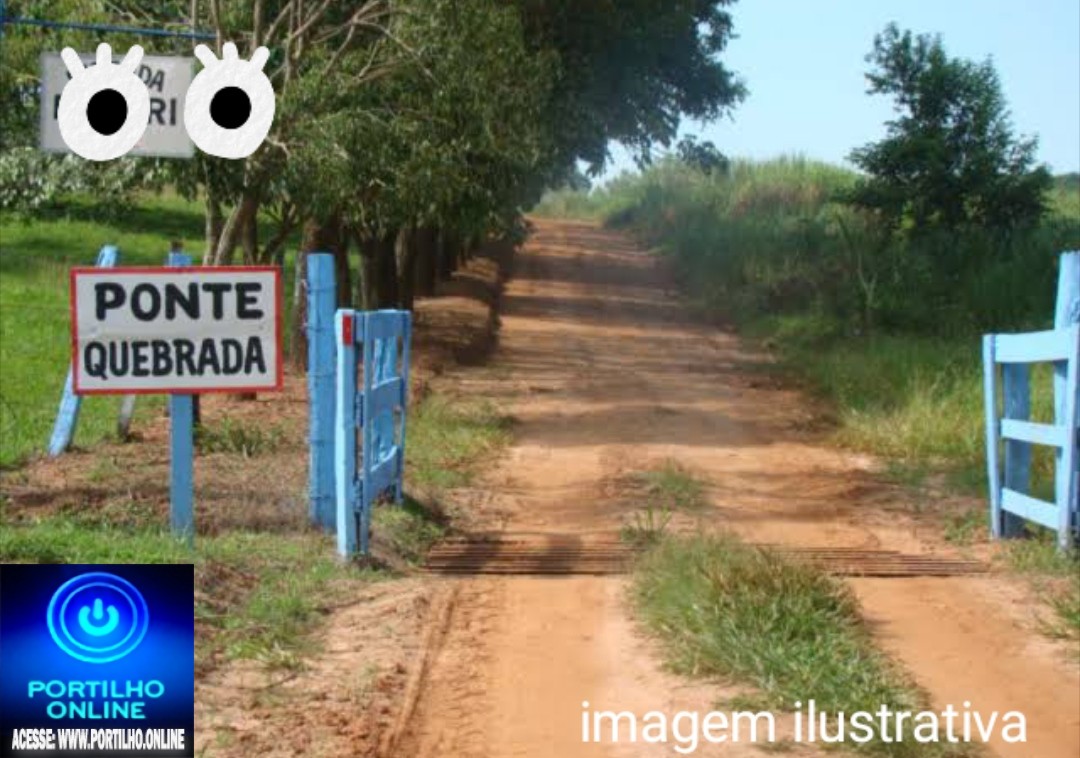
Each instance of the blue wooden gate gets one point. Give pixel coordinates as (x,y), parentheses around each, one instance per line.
(1011,427)
(369,435)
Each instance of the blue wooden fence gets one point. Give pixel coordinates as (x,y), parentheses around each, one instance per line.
(369,439)
(1011,429)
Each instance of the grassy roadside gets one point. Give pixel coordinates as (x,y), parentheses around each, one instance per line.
(885,330)
(917,403)
(723,608)
(35,256)
(263,578)
(258,593)
(446,443)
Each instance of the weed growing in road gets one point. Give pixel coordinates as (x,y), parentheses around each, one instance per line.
(964,527)
(1056,576)
(724,608)
(674,487)
(647,526)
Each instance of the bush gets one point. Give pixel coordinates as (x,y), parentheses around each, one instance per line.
(774,238)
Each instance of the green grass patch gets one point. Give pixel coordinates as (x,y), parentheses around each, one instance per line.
(256,594)
(239,437)
(35,347)
(668,488)
(723,608)
(1056,578)
(449,439)
(407,531)
(647,526)
(35,257)
(672,485)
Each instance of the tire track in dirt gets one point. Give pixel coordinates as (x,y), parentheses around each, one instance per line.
(605,374)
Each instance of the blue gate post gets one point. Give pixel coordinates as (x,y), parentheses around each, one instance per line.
(406,356)
(1066,472)
(181,451)
(67,417)
(1016,388)
(321,304)
(993,430)
(346,325)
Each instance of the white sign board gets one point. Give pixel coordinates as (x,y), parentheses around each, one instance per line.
(161,330)
(167,79)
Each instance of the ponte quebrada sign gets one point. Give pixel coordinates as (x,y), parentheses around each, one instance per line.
(163,330)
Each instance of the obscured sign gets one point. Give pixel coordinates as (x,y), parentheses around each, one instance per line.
(166,78)
(161,330)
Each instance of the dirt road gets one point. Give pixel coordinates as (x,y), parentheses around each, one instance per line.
(605,374)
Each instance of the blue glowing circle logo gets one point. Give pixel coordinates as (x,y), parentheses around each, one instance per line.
(98,617)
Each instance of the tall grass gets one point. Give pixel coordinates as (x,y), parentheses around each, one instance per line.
(35,257)
(886,328)
(775,238)
(724,608)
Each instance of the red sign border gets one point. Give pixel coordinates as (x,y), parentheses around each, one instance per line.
(75,271)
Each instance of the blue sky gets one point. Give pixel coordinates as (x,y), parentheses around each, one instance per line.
(803,62)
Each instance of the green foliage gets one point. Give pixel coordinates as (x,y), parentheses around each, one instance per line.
(448,441)
(723,608)
(772,239)
(35,353)
(395,119)
(950,158)
(408,530)
(646,526)
(629,70)
(232,436)
(33,183)
(671,485)
(257,594)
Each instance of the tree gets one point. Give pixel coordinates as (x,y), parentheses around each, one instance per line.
(628,71)
(950,158)
(702,156)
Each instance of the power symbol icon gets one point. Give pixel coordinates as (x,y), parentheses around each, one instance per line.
(96,628)
(97,617)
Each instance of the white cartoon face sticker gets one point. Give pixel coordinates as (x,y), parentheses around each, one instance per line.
(105,108)
(230,105)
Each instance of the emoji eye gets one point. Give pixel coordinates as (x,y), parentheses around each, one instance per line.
(229,106)
(105,108)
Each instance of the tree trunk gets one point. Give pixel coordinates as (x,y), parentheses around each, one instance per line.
(237,223)
(448,253)
(214,223)
(386,292)
(298,343)
(405,258)
(343,275)
(427,243)
(378,272)
(319,236)
(249,237)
